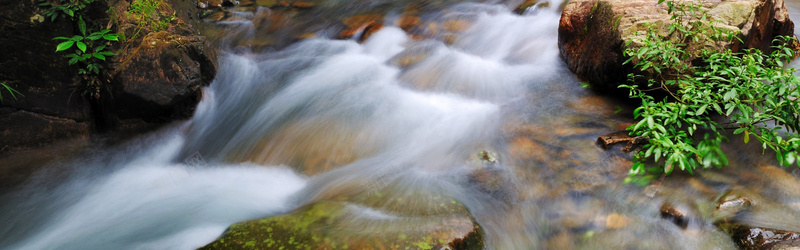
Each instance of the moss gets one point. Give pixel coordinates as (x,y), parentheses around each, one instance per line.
(318,226)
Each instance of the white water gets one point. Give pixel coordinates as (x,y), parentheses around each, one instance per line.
(347,114)
(184,189)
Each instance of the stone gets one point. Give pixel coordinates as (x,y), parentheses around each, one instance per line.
(51,105)
(750,237)
(407,22)
(456,25)
(784,182)
(674,215)
(615,221)
(593,34)
(525,149)
(161,78)
(432,222)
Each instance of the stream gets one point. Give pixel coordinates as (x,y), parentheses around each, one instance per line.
(475,104)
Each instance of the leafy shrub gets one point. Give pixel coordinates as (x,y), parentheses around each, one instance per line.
(149,13)
(709,92)
(65,8)
(87,53)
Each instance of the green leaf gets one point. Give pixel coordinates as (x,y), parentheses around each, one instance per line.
(81,25)
(81,46)
(99,56)
(64,45)
(111,37)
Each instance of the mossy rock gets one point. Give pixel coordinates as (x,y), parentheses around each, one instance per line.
(428,222)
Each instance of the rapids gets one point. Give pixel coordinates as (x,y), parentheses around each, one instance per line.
(298,122)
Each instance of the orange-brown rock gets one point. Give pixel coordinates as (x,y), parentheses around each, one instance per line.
(407,22)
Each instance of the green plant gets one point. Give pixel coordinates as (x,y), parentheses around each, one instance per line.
(87,53)
(709,92)
(149,13)
(10,91)
(65,8)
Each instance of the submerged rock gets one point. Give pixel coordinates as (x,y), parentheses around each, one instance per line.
(675,215)
(747,237)
(423,222)
(592,34)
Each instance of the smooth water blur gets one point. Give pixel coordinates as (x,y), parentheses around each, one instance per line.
(290,122)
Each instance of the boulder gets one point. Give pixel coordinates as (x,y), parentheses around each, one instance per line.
(593,34)
(151,84)
(376,220)
(51,106)
(161,79)
(751,237)
(159,73)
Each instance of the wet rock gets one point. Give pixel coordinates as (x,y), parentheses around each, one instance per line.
(456,25)
(731,203)
(361,25)
(407,22)
(266,3)
(615,221)
(303,5)
(748,237)
(593,34)
(24,128)
(674,215)
(440,224)
(524,149)
(162,78)
(529,5)
(51,106)
(784,182)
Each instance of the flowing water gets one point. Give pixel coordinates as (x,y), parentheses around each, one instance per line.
(481,110)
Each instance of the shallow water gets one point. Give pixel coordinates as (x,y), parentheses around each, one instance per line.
(293,122)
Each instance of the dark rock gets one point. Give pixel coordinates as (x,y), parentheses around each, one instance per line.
(50,95)
(161,79)
(24,128)
(747,237)
(593,34)
(674,215)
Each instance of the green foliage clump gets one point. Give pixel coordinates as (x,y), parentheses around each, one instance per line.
(91,46)
(709,92)
(64,8)
(87,53)
(149,13)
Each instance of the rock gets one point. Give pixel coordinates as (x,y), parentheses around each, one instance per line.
(24,128)
(525,149)
(729,205)
(615,221)
(784,182)
(676,216)
(432,222)
(361,25)
(749,237)
(456,25)
(407,22)
(51,106)
(161,78)
(593,34)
